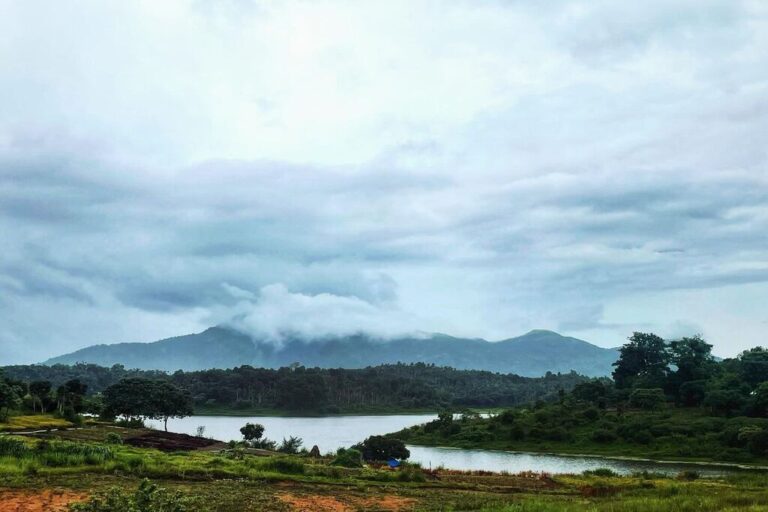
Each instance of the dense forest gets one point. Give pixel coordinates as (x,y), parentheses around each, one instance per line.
(385,388)
(666,400)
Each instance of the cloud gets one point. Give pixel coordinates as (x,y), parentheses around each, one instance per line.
(584,166)
(277,315)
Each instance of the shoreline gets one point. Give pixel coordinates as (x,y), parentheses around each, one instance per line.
(725,465)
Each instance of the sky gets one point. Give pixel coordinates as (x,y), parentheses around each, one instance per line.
(478,169)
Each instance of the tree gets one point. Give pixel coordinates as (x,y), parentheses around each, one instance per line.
(70,396)
(693,361)
(692,392)
(753,366)
(252,431)
(170,402)
(39,390)
(383,448)
(643,361)
(10,398)
(136,397)
(723,401)
(760,400)
(594,391)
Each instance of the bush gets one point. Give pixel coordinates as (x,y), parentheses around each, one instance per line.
(113,438)
(348,458)
(292,445)
(288,465)
(130,423)
(647,399)
(591,414)
(383,448)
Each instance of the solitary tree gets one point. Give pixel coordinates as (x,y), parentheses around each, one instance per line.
(136,397)
(252,431)
(170,402)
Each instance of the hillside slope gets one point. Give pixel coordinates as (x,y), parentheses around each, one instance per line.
(532,354)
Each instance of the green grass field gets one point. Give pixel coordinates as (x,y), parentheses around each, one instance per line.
(81,463)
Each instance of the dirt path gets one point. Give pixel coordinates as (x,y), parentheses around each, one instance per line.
(46,500)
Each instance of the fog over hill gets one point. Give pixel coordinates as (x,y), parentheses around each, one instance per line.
(531,354)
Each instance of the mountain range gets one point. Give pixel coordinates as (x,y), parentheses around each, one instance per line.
(532,354)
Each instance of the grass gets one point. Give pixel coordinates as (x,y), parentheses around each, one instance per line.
(36,422)
(80,461)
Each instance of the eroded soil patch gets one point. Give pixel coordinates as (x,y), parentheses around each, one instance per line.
(46,500)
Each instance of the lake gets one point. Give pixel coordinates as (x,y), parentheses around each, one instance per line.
(332,432)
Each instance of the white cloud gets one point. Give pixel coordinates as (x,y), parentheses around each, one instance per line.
(278,315)
(474,169)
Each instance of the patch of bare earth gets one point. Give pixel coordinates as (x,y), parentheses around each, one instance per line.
(321,503)
(46,500)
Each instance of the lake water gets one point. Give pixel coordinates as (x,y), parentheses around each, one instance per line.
(332,432)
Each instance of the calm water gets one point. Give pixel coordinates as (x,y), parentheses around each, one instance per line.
(332,432)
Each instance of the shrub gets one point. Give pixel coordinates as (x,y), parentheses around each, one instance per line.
(647,399)
(113,438)
(348,458)
(130,423)
(288,465)
(291,445)
(383,448)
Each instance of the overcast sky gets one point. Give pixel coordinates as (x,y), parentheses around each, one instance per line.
(474,168)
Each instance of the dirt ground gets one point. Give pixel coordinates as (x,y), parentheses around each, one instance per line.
(320,503)
(46,500)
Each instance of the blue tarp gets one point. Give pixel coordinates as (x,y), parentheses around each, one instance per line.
(393,463)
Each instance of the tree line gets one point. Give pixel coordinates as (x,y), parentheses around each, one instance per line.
(393,386)
(666,398)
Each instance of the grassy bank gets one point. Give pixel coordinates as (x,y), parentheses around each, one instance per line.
(33,422)
(76,464)
(673,435)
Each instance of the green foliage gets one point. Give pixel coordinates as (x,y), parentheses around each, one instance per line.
(156,399)
(113,438)
(382,448)
(348,458)
(648,399)
(287,465)
(380,388)
(252,431)
(292,445)
(147,498)
(644,359)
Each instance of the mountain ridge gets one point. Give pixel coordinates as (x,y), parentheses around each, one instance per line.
(530,354)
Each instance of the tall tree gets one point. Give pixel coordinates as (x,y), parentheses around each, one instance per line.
(643,362)
(39,390)
(753,366)
(693,361)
